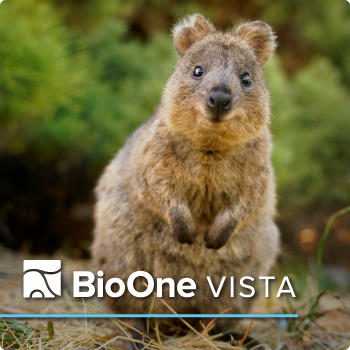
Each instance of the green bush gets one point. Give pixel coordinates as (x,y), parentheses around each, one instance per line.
(311,125)
(68,90)
(321,27)
(38,75)
(83,95)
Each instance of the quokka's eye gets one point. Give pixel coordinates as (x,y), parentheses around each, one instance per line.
(198,72)
(245,79)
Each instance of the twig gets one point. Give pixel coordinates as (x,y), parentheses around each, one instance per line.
(186,323)
(119,323)
(11,310)
(104,337)
(208,327)
(323,240)
(86,326)
(132,339)
(150,310)
(315,339)
(258,347)
(158,336)
(260,337)
(9,328)
(118,337)
(246,334)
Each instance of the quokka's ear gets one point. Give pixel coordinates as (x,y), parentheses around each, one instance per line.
(260,37)
(191,29)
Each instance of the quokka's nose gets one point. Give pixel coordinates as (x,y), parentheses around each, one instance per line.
(219,101)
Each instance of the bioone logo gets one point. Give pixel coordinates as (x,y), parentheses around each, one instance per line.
(41,278)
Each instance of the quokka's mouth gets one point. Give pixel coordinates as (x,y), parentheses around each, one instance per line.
(216,120)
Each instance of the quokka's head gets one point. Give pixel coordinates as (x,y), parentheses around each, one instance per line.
(217,95)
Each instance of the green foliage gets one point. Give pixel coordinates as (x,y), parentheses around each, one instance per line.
(80,89)
(134,73)
(38,76)
(310,315)
(321,26)
(311,125)
(81,96)
(323,241)
(14,333)
(17,334)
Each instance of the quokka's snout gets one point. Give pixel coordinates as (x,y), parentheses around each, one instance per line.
(219,102)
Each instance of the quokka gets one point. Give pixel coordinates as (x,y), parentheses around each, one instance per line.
(192,191)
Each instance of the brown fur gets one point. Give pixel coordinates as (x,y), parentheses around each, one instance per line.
(189,197)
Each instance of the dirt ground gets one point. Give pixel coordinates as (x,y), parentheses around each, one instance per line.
(321,325)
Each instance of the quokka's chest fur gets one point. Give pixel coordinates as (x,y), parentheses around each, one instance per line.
(210,192)
(208,181)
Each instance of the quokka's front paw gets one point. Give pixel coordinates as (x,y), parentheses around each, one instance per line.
(185,230)
(219,233)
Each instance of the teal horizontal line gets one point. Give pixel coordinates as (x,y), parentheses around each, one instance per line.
(148,315)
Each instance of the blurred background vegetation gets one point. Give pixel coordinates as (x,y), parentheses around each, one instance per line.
(77,77)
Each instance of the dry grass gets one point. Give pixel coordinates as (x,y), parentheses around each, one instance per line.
(328,327)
